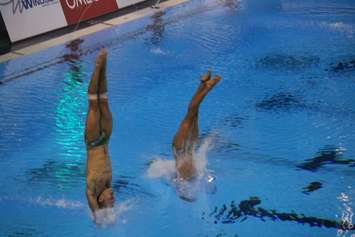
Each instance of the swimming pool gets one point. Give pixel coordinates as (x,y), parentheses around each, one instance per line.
(280,123)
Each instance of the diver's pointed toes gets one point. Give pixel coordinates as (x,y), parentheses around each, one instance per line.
(211,83)
(101,57)
(206,76)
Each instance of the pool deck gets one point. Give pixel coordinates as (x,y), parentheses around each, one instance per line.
(62,36)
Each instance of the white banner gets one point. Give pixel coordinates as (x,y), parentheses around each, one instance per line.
(26,18)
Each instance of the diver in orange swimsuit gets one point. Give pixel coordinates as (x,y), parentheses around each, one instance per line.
(97,133)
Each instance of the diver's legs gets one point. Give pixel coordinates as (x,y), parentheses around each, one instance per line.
(106,116)
(187,135)
(95,115)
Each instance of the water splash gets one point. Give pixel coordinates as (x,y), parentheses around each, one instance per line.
(109,216)
(60,203)
(346,215)
(161,168)
(45,202)
(187,190)
(200,155)
(158,51)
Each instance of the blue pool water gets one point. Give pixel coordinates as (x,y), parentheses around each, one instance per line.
(278,129)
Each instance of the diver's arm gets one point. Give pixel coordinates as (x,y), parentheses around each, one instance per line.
(92,200)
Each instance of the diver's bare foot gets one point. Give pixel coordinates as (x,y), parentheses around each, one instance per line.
(101,57)
(103,81)
(207,83)
(211,83)
(205,86)
(206,77)
(100,64)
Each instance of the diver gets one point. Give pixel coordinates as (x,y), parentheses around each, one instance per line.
(97,133)
(186,138)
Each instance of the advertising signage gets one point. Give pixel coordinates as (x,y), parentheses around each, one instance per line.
(79,10)
(26,18)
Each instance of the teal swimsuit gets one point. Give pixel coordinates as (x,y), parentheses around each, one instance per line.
(101,140)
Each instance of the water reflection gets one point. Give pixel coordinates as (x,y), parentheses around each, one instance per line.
(231,4)
(282,101)
(69,121)
(125,186)
(60,174)
(286,101)
(70,112)
(24,231)
(157,28)
(73,57)
(225,235)
(287,62)
(233,121)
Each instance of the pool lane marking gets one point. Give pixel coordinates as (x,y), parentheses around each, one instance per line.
(88,30)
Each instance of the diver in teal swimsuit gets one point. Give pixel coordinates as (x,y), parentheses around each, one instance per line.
(97,133)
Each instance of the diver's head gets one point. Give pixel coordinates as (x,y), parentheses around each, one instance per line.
(106,198)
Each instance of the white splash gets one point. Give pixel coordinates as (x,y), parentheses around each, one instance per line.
(41,201)
(109,216)
(161,168)
(188,190)
(60,203)
(346,215)
(157,51)
(200,155)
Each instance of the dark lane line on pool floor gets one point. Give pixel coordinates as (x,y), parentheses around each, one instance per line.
(282,101)
(313,186)
(232,213)
(124,186)
(286,101)
(287,62)
(329,155)
(343,66)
